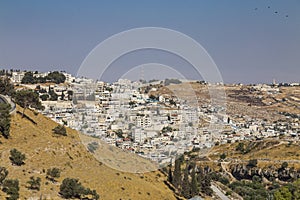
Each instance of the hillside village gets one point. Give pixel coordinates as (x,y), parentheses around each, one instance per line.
(170,122)
(135,117)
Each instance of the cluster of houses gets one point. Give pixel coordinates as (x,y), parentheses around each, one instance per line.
(122,115)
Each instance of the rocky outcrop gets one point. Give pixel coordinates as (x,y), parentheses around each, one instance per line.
(241,171)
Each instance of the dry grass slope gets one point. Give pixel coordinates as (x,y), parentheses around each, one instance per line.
(269,152)
(44,150)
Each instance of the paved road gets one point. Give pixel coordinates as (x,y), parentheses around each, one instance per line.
(219,192)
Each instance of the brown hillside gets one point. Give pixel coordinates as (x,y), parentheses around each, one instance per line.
(44,150)
(268,152)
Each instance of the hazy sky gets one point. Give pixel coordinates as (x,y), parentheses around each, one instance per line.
(248,41)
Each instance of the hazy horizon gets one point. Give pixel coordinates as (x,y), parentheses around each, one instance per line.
(248,41)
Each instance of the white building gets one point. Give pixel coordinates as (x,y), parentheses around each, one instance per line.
(17,77)
(139,136)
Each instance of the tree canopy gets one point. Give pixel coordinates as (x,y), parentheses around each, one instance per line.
(27,98)
(11,187)
(60,130)
(16,157)
(72,188)
(6,88)
(53,173)
(54,77)
(4,120)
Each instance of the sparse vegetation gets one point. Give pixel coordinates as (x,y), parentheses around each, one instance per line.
(26,99)
(53,173)
(240,147)
(166,129)
(11,187)
(119,133)
(284,165)
(60,130)
(38,144)
(249,190)
(34,183)
(6,88)
(17,157)
(4,120)
(72,188)
(54,77)
(252,163)
(3,174)
(172,81)
(222,156)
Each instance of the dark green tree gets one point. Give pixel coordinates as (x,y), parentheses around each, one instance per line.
(53,95)
(240,147)
(222,156)
(72,188)
(185,185)
(11,187)
(172,81)
(170,175)
(28,78)
(26,99)
(153,98)
(6,88)
(41,80)
(70,95)
(62,96)
(4,120)
(53,173)
(204,181)
(131,104)
(34,183)
(119,133)
(16,157)
(44,97)
(284,165)
(166,129)
(177,173)
(252,163)
(60,130)
(3,174)
(283,194)
(194,184)
(228,120)
(56,77)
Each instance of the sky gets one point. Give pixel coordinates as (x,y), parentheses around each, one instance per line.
(250,41)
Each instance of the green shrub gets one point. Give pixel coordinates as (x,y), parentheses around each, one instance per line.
(11,187)
(34,183)
(53,173)
(72,188)
(16,157)
(60,130)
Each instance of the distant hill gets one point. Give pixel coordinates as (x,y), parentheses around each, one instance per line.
(254,101)
(44,150)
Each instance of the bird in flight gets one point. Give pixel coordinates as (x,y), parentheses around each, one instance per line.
(275,12)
